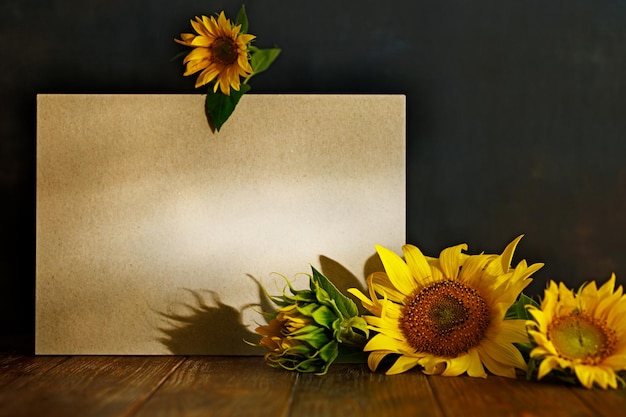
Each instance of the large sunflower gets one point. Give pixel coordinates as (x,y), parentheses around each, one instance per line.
(446,314)
(220,53)
(584,332)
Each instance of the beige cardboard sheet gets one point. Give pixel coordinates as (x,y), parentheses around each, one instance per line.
(154,234)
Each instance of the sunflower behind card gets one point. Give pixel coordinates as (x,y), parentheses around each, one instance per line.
(156,236)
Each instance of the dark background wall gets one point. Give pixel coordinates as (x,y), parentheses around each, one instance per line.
(515,111)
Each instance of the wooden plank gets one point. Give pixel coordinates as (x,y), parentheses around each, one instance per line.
(604,402)
(246,386)
(497,396)
(17,370)
(88,386)
(351,390)
(219,386)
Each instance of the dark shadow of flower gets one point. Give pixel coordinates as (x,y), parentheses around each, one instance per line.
(207,328)
(214,328)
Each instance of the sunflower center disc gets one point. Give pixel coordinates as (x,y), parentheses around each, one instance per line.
(445,319)
(577,336)
(225,51)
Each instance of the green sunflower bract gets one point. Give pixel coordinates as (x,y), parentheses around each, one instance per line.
(311,327)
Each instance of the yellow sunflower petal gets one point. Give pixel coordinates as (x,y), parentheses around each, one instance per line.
(185,39)
(546,366)
(540,319)
(388,327)
(495,367)
(473,267)
(475,368)
(504,353)
(545,346)
(585,375)
(512,331)
(206,76)
(391,311)
(196,54)
(457,366)
(374,359)
(417,264)
(201,41)
(382,285)
(604,377)
(398,272)
(367,303)
(617,362)
(403,364)
(451,260)
(246,38)
(385,343)
(507,254)
(433,365)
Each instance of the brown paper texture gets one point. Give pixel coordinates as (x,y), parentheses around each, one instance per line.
(154,235)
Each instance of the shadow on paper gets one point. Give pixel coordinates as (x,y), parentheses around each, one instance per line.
(207,328)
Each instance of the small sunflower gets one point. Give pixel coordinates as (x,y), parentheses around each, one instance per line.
(583,332)
(296,342)
(312,327)
(220,53)
(446,314)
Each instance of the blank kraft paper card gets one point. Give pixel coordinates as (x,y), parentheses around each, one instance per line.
(156,236)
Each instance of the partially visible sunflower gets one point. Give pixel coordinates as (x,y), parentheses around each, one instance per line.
(583,332)
(220,53)
(446,314)
(312,327)
(296,342)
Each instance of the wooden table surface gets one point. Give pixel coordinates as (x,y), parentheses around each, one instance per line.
(155,386)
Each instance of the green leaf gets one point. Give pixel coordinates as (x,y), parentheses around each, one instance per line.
(329,352)
(219,106)
(359,325)
(307,309)
(352,331)
(308,329)
(518,309)
(324,316)
(316,338)
(261,59)
(242,19)
(345,305)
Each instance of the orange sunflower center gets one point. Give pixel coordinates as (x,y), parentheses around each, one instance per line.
(445,319)
(224,51)
(579,336)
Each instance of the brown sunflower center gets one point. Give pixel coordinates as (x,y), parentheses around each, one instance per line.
(579,336)
(445,319)
(224,51)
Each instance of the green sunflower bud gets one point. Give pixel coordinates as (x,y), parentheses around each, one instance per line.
(311,328)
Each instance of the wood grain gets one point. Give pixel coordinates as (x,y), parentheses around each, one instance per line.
(17,370)
(605,403)
(350,390)
(497,396)
(206,385)
(88,386)
(140,386)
